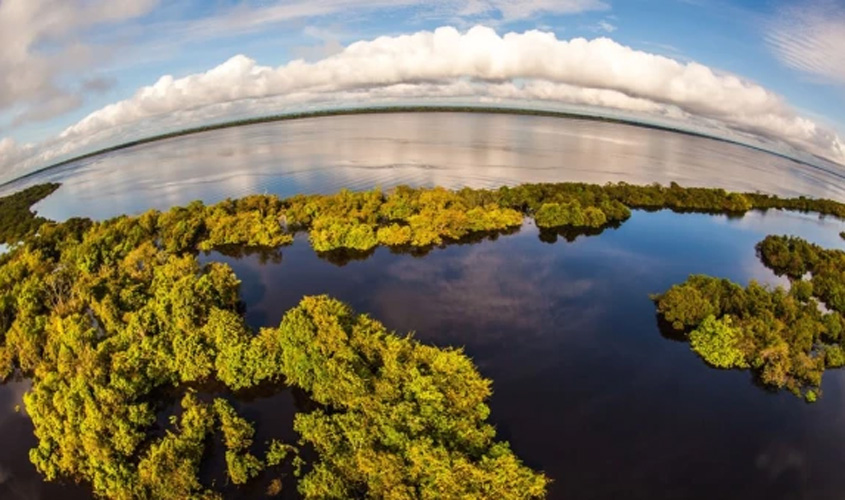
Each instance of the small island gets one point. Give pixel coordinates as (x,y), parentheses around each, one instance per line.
(787,337)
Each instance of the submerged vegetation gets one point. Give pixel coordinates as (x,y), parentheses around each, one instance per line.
(106,317)
(788,337)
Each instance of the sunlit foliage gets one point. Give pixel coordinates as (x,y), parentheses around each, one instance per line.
(403,420)
(405,216)
(237,435)
(719,343)
(409,217)
(569,214)
(785,336)
(169,468)
(104,317)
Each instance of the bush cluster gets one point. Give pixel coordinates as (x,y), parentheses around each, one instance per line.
(784,335)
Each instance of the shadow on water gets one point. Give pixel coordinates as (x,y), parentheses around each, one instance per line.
(344,256)
(570,234)
(265,255)
(669,333)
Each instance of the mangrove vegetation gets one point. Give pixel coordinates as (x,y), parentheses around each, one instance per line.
(787,336)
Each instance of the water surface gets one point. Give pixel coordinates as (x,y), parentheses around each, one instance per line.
(423,149)
(585,386)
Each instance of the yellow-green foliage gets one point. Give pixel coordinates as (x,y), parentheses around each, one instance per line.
(100,316)
(719,343)
(569,214)
(405,420)
(237,435)
(417,217)
(784,336)
(278,452)
(169,468)
(394,235)
(103,316)
(789,256)
(795,258)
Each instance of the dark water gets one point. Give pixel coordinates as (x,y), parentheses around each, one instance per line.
(585,386)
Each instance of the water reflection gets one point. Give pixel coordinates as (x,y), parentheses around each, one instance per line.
(18,478)
(585,387)
(448,149)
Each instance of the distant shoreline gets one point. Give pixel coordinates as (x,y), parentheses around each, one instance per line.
(402,109)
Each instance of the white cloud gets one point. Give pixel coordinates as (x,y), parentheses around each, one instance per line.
(810,37)
(41,45)
(329,43)
(606,26)
(11,153)
(477,64)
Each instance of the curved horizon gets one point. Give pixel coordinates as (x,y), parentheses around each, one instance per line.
(481,63)
(430,108)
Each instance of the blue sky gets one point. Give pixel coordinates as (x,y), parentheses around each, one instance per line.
(72,58)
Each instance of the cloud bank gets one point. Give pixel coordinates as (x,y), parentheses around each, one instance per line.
(42,47)
(478,64)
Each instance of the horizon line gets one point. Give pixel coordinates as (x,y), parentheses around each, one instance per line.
(414,108)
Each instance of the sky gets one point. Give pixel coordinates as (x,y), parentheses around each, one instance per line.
(81,75)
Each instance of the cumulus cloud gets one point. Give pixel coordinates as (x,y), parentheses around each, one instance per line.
(446,63)
(810,37)
(41,44)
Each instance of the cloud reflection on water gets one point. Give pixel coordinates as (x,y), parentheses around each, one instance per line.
(453,150)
